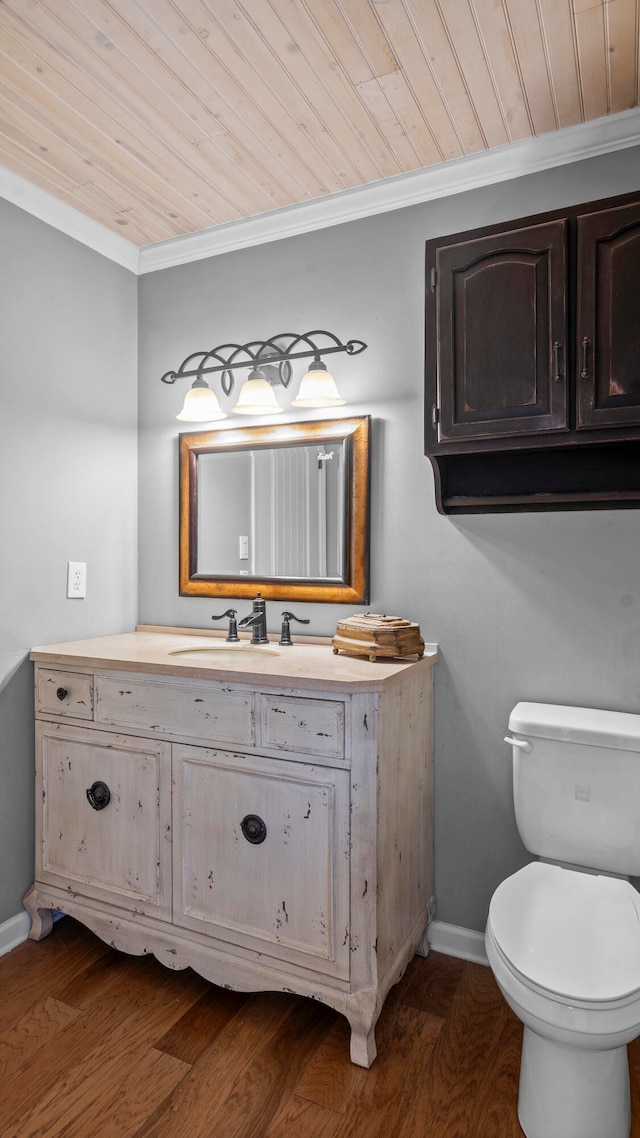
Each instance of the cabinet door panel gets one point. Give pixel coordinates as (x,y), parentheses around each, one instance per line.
(118,853)
(501,330)
(287,895)
(608,323)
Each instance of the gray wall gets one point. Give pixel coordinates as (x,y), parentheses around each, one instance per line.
(532,606)
(68,455)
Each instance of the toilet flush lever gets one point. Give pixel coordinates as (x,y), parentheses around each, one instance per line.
(523,744)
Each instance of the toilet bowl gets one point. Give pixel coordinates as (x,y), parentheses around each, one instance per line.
(564,946)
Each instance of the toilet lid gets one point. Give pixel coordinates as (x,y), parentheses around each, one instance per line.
(575,934)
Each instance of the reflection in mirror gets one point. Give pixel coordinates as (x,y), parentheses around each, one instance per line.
(282,509)
(283,515)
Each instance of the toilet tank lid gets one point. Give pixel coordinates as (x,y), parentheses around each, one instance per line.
(585,725)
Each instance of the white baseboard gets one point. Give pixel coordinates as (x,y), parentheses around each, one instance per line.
(449,939)
(456,941)
(14,931)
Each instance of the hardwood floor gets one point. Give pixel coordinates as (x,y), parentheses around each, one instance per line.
(96,1044)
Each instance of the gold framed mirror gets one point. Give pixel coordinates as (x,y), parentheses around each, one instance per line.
(281,509)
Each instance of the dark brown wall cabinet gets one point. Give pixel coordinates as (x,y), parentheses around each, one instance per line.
(533,362)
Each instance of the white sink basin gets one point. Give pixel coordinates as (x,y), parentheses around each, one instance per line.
(224,651)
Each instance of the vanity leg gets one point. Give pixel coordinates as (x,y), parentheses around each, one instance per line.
(362,1048)
(41,919)
(362,1011)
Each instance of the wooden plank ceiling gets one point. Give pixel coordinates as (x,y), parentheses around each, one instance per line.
(159,118)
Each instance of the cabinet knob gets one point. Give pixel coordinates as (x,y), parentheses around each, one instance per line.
(253,829)
(62,693)
(99,795)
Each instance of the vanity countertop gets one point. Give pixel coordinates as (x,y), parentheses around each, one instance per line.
(311,664)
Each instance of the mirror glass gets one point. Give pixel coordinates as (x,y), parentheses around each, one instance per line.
(282,515)
(282,509)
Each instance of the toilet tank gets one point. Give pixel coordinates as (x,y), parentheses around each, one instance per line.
(576,785)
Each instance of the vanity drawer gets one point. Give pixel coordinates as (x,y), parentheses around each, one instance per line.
(64,693)
(189,708)
(310,726)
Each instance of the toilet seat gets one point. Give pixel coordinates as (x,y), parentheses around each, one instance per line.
(573,936)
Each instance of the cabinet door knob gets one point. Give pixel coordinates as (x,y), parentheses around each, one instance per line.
(253,829)
(62,693)
(99,795)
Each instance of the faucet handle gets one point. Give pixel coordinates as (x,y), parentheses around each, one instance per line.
(233,624)
(285,635)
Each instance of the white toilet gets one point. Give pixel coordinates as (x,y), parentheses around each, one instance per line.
(563,934)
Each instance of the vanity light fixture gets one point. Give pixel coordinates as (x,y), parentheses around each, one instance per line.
(256,396)
(270,364)
(317,388)
(201,404)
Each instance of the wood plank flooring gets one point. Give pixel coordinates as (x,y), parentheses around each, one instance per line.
(96,1044)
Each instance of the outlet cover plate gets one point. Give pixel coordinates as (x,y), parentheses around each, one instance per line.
(76,580)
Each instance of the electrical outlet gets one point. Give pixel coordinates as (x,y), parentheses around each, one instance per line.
(76,579)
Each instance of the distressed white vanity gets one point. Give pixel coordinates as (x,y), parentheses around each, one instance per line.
(262,815)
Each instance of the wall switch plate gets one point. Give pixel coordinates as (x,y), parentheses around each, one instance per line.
(76,579)
(243,548)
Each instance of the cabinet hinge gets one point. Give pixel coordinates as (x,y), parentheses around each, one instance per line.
(435,416)
(434,279)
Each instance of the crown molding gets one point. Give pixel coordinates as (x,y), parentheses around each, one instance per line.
(515,160)
(68,220)
(503,163)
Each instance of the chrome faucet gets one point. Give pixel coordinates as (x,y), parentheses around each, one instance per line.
(257,620)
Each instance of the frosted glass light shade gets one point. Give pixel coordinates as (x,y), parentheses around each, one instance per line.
(317,389)
(201,405)
(257,398)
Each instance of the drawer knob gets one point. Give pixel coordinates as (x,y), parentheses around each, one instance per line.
(62,693)
(99,795)
(253,829)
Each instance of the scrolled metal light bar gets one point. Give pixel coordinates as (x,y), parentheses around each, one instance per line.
(261,352)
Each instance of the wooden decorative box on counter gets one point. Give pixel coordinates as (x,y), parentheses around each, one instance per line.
(378,637)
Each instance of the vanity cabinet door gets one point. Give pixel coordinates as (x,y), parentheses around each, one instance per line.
(104,817)
(500,322)
(264,852)
(608,325)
